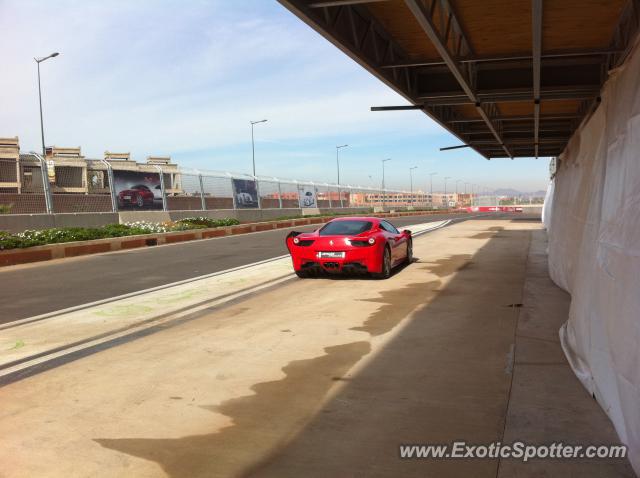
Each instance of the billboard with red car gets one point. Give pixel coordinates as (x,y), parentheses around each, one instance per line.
(137,190)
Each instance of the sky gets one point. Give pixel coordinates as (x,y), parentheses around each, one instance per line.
(185,78)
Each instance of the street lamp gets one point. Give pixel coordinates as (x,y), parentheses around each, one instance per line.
(457,197)
(445,190)
(253,147)
(38,61)
(383,191)
(411,182)
(338,148)
(431,187)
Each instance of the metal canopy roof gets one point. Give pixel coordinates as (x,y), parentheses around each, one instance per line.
(509,78)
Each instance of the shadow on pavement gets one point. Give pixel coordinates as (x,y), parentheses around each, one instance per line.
(445,376)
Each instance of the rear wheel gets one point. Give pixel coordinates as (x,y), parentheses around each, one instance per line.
(302,274)
(409,258)
(386,265)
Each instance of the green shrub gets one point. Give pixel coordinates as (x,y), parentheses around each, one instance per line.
(69,234)
(5,208)
(208,222)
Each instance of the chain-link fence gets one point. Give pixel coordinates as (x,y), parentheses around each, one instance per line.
(485,200)
(34,185)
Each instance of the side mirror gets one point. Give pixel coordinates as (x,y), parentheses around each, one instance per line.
(407,232)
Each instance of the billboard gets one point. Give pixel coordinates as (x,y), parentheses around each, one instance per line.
(245,193)
(307,195)
(51,171)
(137,190)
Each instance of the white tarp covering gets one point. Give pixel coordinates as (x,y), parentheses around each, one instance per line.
(547,207)
(594,251)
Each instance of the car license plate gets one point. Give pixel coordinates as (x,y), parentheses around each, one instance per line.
(127,197)
(331,255)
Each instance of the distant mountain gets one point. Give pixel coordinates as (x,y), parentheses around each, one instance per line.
(514,192)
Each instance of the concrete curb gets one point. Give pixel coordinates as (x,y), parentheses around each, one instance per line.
(48,252)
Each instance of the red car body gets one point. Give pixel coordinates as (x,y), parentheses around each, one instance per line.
(139,196)
(357,244)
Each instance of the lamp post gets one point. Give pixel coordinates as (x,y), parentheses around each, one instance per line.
(457,181)
(38,61)
(338,148)
(445,190)
(411,183)
(383,186)
(431,186)
(253,147)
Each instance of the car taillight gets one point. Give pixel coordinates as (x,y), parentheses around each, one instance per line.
(362,242)
(302,242)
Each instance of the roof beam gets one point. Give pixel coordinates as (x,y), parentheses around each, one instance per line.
(520,141)
(425,20)
(397,108)
(497,59)
(578,93)
(536,16)
(340,3)
(556,117)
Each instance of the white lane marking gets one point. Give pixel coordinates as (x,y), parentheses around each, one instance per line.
(46,357)
(136,293)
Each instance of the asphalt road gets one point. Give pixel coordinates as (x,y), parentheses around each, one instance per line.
(36,289)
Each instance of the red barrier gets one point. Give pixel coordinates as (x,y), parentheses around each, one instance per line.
(494,209)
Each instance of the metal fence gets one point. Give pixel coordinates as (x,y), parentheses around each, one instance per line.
(34,185)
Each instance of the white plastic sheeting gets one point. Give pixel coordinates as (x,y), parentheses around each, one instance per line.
(594,251)
(547,207)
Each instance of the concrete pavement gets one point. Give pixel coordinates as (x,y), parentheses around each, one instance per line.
(320,377)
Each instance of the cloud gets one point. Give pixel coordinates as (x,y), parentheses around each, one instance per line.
(177,77)
(185,78)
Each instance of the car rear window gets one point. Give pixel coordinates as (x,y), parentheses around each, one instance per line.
(345,228)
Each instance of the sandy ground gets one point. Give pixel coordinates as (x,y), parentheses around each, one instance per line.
(318,377)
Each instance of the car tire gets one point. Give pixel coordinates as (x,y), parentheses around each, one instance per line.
(409,258)
(302,274)
(139,201)
(386,265)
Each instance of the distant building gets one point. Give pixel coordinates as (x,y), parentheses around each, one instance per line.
(69,171)
(10,178)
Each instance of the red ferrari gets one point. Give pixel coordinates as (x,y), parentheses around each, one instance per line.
(354,244)
(138,195)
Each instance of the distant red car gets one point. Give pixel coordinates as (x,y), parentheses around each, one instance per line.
(139,195)
(356,244)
